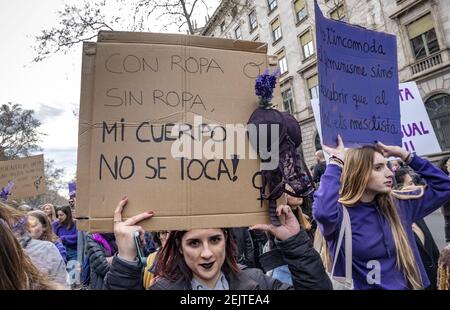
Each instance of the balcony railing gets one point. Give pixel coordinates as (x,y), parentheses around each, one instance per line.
(426,63)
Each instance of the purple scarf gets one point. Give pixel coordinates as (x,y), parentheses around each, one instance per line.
(99,239)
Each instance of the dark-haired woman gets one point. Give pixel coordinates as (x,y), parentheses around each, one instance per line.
(201,259)
(66,230)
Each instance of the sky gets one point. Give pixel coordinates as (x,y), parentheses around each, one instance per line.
(52,87)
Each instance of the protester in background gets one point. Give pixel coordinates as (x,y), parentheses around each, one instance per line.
(43,254)
(282,272)
(17,272)
(444,269)
(319,168)
(444,164)
(204,258)
(72,205)
(428,250)
(403,179)
(396,164)
(25,208)
(149,272)
(100,249)
(381,226)
(50,211)
(41,229)
(245,254)
(66,230)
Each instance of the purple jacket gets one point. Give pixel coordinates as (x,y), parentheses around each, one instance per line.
(62,250)
(68,237)
(371,234)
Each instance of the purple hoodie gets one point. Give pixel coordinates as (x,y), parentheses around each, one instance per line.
(371,234)
(68,237)
(62,250)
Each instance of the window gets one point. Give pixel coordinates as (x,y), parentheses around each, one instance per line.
(288,101)
(272,5)
(300,9)
(339,13)
(256,38)
(238,33)
(317,143)
(438,108)
(276,30)
(282,62)
(313,86)
(306,41)
(252,20)
(234,11)
(422,36)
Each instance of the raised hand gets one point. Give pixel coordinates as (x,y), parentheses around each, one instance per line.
(393,150)
(290,227)
(339,151)
(124,231)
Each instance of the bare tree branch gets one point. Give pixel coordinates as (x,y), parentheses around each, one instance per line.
(82,20)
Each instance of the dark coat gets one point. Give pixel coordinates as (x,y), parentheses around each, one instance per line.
(97,262)
(319,170)
(303,261)
(429,253)
(245,248)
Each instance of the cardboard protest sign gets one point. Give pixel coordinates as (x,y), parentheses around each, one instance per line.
(152,107)
(417,132)
(358,83)
(27,174)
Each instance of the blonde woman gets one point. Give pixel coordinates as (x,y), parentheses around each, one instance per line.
(41,229)
(50,211)
(385,255)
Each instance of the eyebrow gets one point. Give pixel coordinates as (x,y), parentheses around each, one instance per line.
(213,236)
(379,164)
(216,236)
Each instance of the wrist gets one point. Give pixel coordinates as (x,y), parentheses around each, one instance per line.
(127,255)
(126,258)
(405,156)
(336,161)
(409,158)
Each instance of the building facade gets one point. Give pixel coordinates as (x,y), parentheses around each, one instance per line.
(422,28)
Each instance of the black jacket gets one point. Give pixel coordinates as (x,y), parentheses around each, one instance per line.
(97,262)
(303,261)
(429,253)
(245,248)
(319,170)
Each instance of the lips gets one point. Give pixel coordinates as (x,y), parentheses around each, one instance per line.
(207,266)
(389,183)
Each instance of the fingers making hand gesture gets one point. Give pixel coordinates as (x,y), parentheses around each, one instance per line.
(290,227)
(124,230)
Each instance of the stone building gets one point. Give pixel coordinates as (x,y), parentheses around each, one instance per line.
(422,28)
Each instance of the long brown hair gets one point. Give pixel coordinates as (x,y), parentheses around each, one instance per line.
(48,234)
(68,222)
(172,266)
(17,272)
(354,179)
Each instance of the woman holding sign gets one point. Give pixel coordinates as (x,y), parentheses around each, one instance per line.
(203,258)
(385,255)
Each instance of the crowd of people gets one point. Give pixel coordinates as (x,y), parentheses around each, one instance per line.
(386,201)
